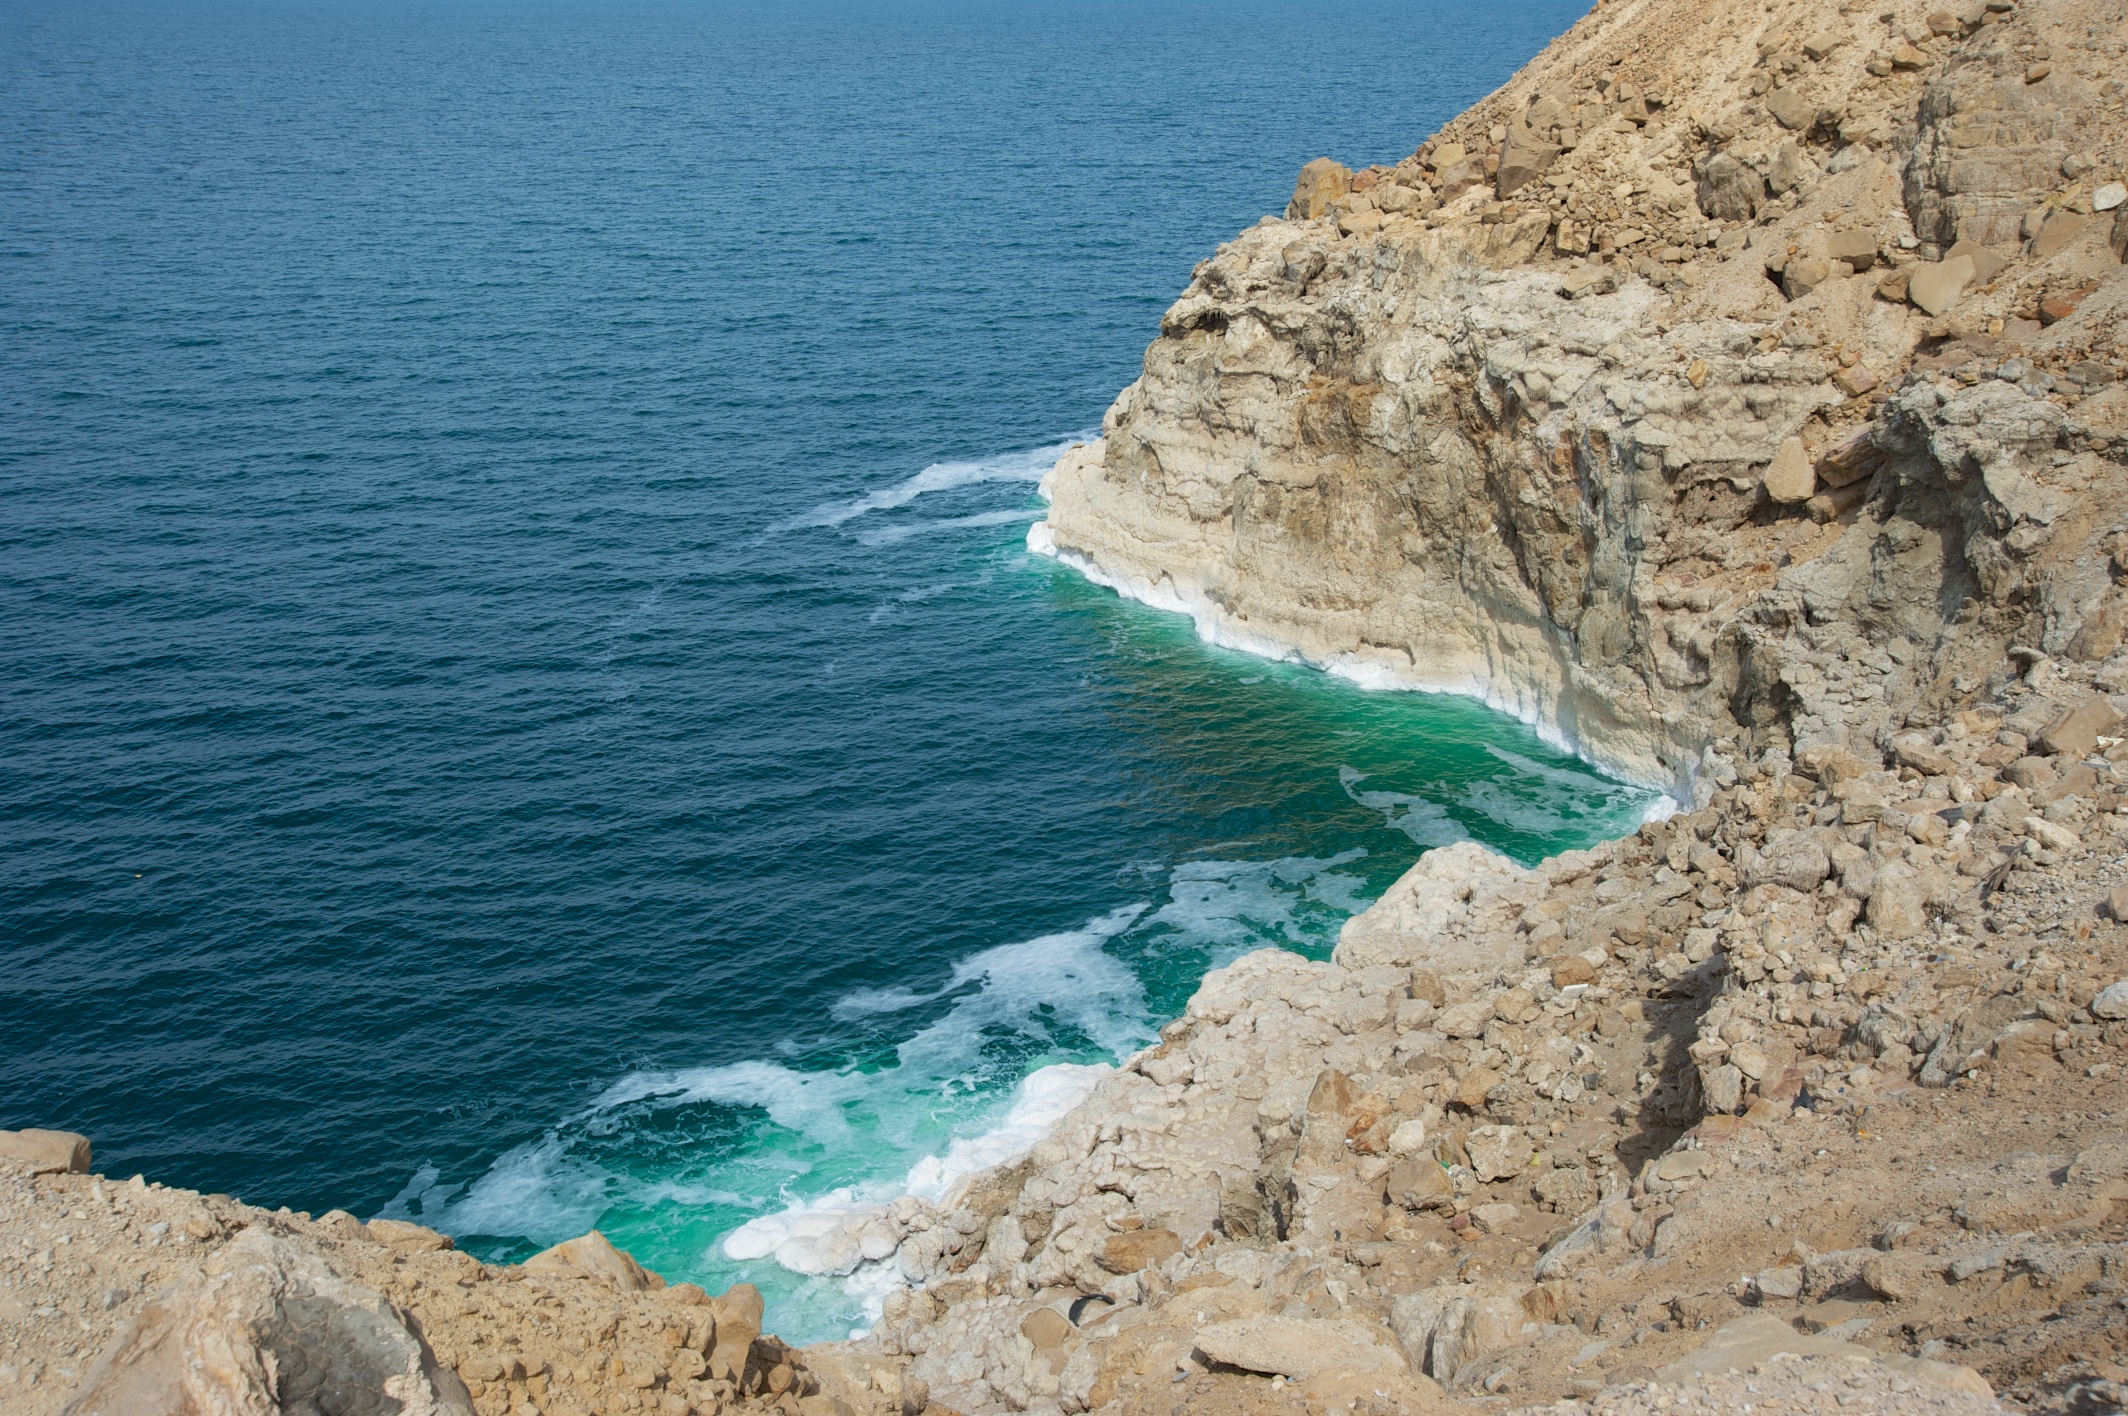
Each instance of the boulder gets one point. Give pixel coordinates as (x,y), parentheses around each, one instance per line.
(1523,159)
(46,1152)
(2075,733)
(266,1328)
(2060,229)
(1136,1249)
(1321,182)
(1857,248)
(1728,190)
(1935,288)
(1790,479)
(2111,1002)
(1300,1348)
(592,1255)
(738,1315)
(1790,109)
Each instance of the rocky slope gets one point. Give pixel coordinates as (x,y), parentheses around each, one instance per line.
(131,1299)
(1737,393)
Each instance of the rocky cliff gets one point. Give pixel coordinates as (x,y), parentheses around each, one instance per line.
(1737,378)
(1737,395)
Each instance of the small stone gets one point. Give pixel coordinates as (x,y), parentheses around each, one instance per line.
(1497,1152)
(1790,479)
(2112,1000)
(2117,904)
(1408,1139)
(1856,381)
(1046,1328)
(1696,373)
(1465,1019)
(1729,190)
(1790,109)
(2037,72)
(1783,1282)
(2108,197)
(1935,289)
(1495,1218)
(1909,58)
(1823,43)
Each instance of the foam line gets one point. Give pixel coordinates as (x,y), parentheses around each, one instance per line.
(1026,466)
(1213,627)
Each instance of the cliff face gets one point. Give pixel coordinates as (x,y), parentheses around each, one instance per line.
(1510,419)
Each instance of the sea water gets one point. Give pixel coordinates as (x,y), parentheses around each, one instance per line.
(527,702)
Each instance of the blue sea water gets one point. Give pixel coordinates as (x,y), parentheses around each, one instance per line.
(525,701)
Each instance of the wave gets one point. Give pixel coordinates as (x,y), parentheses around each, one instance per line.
(1024,466)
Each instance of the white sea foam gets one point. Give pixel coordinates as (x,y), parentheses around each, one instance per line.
(902,531)
(1039,1103)
(1423,819)
(1025,466)
(1214,627)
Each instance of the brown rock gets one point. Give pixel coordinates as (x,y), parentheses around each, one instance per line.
(1790,479)
(1321,182)
(592,1255)
(2076,732)
(1523,159)
(2061,228)
(408,1238)
(1136,1249)
(1857,248)
(1418,1184)
(46,1152)
(1935,289)
(1046,1328)
(738,1314)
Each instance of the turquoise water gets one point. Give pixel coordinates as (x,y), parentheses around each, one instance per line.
(526,701)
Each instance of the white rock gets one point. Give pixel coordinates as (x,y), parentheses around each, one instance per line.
(2112,1001)
(1409,1138)
(2109,196)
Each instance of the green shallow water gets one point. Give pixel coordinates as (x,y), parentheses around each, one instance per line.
(1253,804)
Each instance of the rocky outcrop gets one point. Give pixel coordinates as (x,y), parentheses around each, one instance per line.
(1680,397)
(130,1299)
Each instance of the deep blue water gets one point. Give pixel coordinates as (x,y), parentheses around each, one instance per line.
(525,703)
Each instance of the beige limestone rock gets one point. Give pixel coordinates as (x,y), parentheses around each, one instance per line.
(1301,1348)
(1790,479)
(1321,182)
(46,1152)
(264,1329)
(1935,288)
(593,1256)
(2076,732)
